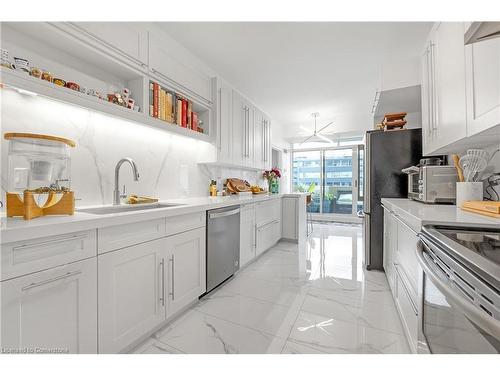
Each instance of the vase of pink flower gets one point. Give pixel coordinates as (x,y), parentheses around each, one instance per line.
(272,177)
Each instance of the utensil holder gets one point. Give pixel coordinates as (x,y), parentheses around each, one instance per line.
(469,191)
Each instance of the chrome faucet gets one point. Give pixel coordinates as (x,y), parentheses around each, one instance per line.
(116,193)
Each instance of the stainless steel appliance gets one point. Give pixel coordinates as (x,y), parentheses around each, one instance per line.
(386,154)
(223,244)
(432,183)
(459,293)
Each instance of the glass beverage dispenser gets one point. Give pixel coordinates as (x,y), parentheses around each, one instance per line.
(39,175)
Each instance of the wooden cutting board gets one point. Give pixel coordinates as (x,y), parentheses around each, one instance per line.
(479,212)
(236,185)
(486,206)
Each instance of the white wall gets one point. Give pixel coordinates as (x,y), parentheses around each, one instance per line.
(168,163)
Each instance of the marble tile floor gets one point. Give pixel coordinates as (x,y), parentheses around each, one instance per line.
(310,298)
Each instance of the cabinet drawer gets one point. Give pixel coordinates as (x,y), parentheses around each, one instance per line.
(183,223)
(407,311)
(267,236)
(23,257)
(406,254)
(119,236)
(268,211)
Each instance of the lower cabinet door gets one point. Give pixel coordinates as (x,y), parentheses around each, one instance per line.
(52,311)
(407,309)
(131,294)
(247,234)
(186,275)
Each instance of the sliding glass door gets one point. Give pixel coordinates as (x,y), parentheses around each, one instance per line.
(332,176)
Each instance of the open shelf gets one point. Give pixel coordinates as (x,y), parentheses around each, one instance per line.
(70,59)
(23,81)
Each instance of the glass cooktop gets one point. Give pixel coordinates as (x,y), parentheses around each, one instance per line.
(484,242)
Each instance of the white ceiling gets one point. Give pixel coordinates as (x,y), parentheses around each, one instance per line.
(295,68)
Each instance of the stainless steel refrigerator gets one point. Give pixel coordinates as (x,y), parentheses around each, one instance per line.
(386,153)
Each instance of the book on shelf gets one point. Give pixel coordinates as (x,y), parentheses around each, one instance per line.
(179,111)
(189,114)
(155,99)
(160,105)
(151,106)
(194,121)
(184,113)
(168,107)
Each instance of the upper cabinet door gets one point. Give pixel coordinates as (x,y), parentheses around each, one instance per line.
(426,100)
(259,139)
(224,123)
(267,143)
(250,136)
(448,52)
(128,40)
(482,67)
(239,132)
(164,62)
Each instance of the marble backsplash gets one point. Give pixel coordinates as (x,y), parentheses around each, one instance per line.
(167,163)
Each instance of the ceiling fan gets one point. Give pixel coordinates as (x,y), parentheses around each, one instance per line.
(316,137)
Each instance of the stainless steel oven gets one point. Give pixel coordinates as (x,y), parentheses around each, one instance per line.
(459,292)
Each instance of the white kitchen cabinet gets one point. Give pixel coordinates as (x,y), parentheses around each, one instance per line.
(267,211)
(401,268)
(129,41)
(406,257)
(247,234)
(390,243)
(23,257)
(186,275)
(131,294)
(224,122)
(238,136)
(289,218)
(54,309)
(407,310)
(166,65)
(267,236)
(259,133)
(293,217)
(267,143)
(443,87)
(120,236)
(482,72)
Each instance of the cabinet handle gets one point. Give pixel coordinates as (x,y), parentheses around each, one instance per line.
(162,298)
(244,131)
(50,242)
(434,101)
(247,145)
(65,276)
(172,277)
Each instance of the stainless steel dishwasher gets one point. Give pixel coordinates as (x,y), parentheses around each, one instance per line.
(223,244)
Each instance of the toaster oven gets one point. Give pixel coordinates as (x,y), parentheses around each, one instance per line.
(432,183)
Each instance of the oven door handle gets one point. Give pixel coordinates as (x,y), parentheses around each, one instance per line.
(487,323)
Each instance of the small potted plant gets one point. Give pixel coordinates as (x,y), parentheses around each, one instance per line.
(272,177)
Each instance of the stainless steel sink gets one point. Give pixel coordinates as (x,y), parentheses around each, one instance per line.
(126,208)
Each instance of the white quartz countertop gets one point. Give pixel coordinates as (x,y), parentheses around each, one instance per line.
(423,214)
(17,229)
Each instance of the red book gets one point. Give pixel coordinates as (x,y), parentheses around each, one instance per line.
(155,99)
(184,113)
(194,121)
